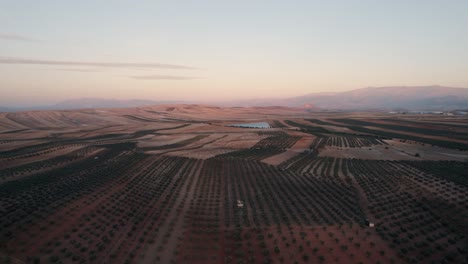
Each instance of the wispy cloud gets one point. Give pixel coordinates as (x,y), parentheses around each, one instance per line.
(79,70)
(11,60)
(163,77)
(15,37)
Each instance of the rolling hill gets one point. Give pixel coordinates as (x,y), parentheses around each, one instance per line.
(372,98)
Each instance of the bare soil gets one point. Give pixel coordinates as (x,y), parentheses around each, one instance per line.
(176,184)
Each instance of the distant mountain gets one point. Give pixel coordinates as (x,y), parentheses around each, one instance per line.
(5,109)
(384,98)
(83,103)
(102,103)
(413,98)
(372,98)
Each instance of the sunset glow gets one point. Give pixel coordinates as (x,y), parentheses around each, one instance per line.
(224,50)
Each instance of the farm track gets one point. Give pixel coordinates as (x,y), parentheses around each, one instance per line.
(202,233)
(152,200)
(175,221)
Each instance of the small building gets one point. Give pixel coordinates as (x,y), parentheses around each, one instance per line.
(369,223)
(240,204)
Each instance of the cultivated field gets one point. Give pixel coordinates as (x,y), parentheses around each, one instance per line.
(181,184)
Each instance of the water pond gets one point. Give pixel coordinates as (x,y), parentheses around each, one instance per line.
(253,125)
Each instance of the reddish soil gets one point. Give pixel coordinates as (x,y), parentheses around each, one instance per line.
(175,184)
(320,244)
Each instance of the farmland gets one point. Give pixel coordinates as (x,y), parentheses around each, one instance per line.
(180,184)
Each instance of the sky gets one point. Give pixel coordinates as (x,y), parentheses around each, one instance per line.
(225,50)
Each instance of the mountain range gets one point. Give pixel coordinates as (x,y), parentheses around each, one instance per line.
(371,98)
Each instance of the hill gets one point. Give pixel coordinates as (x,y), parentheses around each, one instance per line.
(371,98)
(412,98)
(387,98)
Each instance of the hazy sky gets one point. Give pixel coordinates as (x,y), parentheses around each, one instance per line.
(55,50)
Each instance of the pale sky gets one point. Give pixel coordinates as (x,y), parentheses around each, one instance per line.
(221,50)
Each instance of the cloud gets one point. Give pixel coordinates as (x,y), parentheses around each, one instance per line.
(164,77)
(78,70)
(11,60)
(15,37)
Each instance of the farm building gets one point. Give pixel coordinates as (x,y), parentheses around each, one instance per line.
(369,223)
